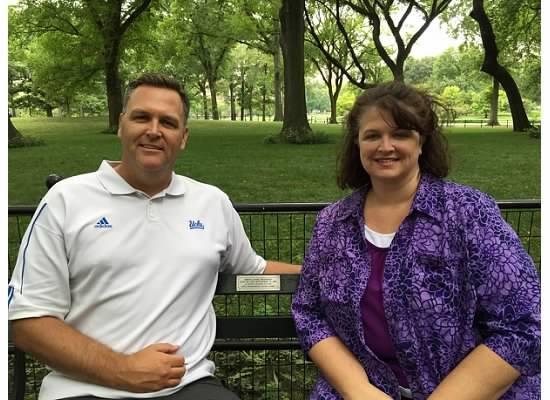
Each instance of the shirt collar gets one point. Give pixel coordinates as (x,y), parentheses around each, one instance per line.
(428,200)
(116,185)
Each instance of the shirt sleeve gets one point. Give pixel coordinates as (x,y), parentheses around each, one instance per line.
(309,318)
(507,288)
(239,257)
(39,284)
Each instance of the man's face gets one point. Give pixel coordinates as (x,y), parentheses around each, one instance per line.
(152,130)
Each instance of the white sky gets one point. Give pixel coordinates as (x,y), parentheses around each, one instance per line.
(433,41)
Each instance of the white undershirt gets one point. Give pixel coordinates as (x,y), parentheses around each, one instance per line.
(380,240)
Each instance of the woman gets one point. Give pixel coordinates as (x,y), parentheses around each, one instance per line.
(414,287)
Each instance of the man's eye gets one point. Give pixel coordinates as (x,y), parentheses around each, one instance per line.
(170,124)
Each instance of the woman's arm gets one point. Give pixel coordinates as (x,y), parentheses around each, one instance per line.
(343,371)
(482,375)
(507,315)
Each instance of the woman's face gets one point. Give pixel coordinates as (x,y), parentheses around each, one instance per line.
(388,153)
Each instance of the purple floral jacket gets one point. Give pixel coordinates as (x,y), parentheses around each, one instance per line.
(456,276)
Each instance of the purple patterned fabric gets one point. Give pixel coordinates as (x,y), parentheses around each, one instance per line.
(456,276)
(375,326)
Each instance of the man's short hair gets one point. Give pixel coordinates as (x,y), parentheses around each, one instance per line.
(159,81)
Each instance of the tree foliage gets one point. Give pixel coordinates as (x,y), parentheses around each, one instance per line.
(75,57)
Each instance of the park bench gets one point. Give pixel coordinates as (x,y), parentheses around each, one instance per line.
(256,352)
(233,333)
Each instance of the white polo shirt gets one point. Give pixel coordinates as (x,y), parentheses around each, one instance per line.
(129,270)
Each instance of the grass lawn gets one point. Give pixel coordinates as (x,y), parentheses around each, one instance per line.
(233,156)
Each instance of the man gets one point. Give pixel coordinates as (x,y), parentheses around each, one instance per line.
(117,270)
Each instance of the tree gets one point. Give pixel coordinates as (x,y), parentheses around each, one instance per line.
(418,71)
(112,19)
(378,12)
(296,128)
(89,22)
(259,27)
(209,41)
(458,67)
(16,139)
(516,31)
(492,66)
(13,132)
(48,67)
(324,33)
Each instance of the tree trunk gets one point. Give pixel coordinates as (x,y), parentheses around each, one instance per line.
(263,102)
(202,88)
(241,103)
(492,67)
(213,98)
(493,114)
(333,110)
(277,82)
(113,83)
(296,128)
(49,110)
(249,98)
(232,101)
(13,133)
(205,104)
(67,106)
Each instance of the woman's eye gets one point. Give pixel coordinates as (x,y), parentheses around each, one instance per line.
(402,133)
(370,136)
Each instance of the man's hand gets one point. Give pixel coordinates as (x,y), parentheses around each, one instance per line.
(154,368)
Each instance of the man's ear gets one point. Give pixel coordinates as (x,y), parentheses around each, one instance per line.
(185,137)
(119,123)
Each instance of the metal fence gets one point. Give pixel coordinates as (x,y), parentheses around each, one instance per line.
(278,231)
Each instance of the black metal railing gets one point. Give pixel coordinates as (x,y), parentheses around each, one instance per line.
(278,231)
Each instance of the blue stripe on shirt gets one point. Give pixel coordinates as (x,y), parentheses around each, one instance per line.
(10,294)
(27,245)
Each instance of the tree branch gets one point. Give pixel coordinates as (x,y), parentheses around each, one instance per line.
(134,14)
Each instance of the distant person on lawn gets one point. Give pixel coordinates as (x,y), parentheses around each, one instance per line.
(414,287)
(117,270)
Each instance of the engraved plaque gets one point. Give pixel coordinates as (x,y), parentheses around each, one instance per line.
(258,283)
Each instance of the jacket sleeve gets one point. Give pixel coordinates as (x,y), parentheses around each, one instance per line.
(507,288)
(309,318)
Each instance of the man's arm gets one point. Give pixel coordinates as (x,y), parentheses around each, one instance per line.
(65,349)
(278,268)
(343,371)
(482,375)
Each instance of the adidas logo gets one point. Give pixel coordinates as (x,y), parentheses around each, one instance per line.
(103,223)
(195,224)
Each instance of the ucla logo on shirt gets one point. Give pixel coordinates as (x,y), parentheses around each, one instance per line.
(103,223)
(196,224)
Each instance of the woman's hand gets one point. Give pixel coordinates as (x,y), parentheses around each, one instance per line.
(368,392)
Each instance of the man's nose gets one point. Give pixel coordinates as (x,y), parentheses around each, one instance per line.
(154,127)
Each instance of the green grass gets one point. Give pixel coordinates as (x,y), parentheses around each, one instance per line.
(232,155)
